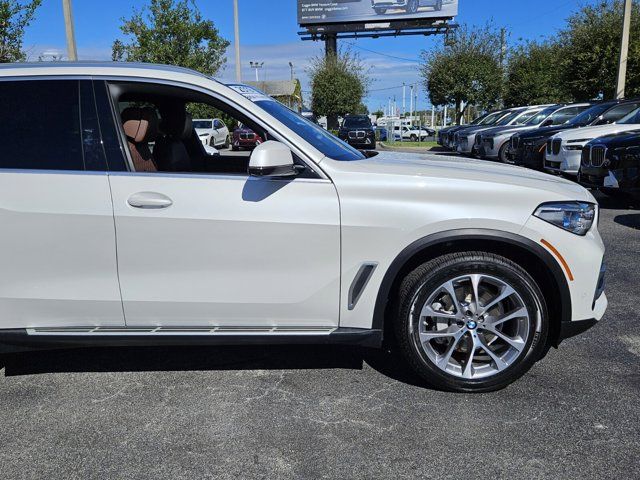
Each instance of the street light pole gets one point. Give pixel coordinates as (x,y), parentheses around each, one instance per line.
(72,50)
(257,66)
(291,66)
(624,50)
(237,41)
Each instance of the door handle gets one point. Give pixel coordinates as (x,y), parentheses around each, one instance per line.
(149,201)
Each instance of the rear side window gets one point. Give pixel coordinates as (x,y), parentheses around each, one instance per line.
(40,125)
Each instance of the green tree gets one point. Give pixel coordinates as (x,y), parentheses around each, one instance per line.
(15,17)
(534,75)
(465,70)
(172,32)
(592,44)
(338,85)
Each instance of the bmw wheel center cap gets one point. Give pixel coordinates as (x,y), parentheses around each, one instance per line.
(472,324)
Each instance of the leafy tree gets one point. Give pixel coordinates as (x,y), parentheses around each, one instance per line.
(15,16)
(378,113)
(338,84)
(592,44)
(172,32)
(534,75)
(465,70)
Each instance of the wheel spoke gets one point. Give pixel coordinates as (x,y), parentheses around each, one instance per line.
(475,283)
(450,289)
(468,367)
(500,364)
(506,292)
(519,313)
(428,311)
(515,343)
(428,336)
(443,360)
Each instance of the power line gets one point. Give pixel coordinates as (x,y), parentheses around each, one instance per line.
(382,54)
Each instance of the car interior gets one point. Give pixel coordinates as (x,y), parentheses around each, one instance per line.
(158,128)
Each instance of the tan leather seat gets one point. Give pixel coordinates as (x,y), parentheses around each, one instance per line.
(141,127)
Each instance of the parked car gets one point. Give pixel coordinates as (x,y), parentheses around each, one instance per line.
(431,132)
(465,138)
(495,143)
(212,132)
(410,6)
(478,268)
(410,134)
(446,135)
(612,164)
(528,148)
(358,131)
(564,150)
(244,137)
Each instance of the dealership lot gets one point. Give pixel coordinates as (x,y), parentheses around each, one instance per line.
(320,412)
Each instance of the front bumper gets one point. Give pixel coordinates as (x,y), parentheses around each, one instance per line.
(567,162)
(530,155)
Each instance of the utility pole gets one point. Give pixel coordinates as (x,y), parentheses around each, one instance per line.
(72,50)
(237,41)
(404,100)
(291,67)
(624,50)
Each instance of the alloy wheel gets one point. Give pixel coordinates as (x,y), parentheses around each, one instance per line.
(474,326)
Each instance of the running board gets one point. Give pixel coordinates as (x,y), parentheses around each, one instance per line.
(48,338)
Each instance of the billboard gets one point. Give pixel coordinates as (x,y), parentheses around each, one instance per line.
(327,12)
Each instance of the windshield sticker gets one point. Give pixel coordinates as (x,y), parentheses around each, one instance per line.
(251,93)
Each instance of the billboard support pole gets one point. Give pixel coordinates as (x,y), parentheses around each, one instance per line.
(331,44)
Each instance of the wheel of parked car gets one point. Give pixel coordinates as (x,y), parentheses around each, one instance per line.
(470,322)
(227,141)
(412,6)
(438,6)
(413,138)
(380,11)
(502,154)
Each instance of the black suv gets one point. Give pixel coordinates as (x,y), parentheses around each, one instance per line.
(527,149)
(358,131)
(612,164)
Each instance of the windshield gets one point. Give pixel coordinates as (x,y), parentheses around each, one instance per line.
(203,124)
(508,118)
(541,116)
(492,118)
(589,115)
(632,119)
(525,117)
(357,122)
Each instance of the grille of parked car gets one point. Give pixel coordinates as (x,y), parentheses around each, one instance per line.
(357,135)
(557,145)
(586,154)
(598,154)
(247,136)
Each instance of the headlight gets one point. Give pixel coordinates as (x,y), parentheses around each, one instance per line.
(574,217)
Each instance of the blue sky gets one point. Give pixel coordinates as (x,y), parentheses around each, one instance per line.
(269,34)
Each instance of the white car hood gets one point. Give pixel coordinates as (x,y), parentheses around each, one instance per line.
(594,132)
(459,169)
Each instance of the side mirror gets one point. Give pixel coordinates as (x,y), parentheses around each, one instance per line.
(272,159)
(547,123)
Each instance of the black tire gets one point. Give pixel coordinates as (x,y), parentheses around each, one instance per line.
(420,284)
(502,153)
(412,6)
(438,6)
(235,149)
(413,138)
(226,143)
(380,11)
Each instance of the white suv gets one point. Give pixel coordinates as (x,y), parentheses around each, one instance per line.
(473,270)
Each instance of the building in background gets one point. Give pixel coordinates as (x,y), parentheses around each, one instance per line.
(287,92)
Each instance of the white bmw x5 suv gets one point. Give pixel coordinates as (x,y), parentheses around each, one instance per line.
(119,229)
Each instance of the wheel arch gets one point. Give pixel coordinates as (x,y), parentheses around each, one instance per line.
(539,263)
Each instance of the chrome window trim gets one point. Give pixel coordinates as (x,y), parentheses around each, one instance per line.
(214,176)
(53,172)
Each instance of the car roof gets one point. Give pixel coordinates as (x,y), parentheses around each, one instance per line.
(125,69)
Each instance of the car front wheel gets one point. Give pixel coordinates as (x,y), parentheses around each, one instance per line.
(471,322)
(412,6)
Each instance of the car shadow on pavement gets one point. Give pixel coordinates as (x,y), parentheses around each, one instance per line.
(177,359)
(631,220)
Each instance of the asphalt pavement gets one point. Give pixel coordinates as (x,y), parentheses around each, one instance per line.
(326,412)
